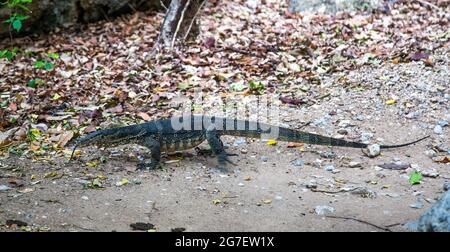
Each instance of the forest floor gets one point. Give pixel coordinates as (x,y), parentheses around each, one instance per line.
(380,78)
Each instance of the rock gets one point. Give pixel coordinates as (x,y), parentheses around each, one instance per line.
(264,158)
(437,218)
(331,7)
(84,197)
(443,123)
(329,168)
(417,205)
(365,137)
(345,124)
(373,150)
(298,162)
(438,129)
(430,153)
(239,141)
(342,131)
(244,151)
(430,173)
(4,188)
(317,163)
(354,164)
(446,186)
(322,210)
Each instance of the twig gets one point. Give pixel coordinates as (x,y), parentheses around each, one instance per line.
(429,4)
(163,5)
(179,24)
(192,21)
(358,220)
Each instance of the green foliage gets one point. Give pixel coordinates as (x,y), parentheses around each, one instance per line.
(8,54)
(16,22)
(415,178)
(256,86)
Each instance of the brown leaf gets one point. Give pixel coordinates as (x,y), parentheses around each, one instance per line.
(144,116)
(64,138)
(292,101)
(445,160)
(294,145)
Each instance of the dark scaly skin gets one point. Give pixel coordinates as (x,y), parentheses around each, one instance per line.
(160,136)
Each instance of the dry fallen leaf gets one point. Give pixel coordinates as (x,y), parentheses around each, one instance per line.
(64,138)
(144,116)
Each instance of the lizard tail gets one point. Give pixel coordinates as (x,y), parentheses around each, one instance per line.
(402,145)
(73,151)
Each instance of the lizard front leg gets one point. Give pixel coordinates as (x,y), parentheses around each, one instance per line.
(155,147)
(216,144)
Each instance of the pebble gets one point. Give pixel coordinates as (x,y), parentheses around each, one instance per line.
(446,186)
(342,131)
(430,173)
(264,158)
(354,164)
(417,205)
(84,197)
(329,168)
(4,188)
(322,210)
(365,137)
(241,184)
(239,141)
(373,150)
(244,151)
(278,197)
(298,162)
(443,123)
(317,163)
(430,153)
(438,129)
(360,117)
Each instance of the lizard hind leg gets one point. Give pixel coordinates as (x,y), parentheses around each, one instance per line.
(216,144)
(155,148)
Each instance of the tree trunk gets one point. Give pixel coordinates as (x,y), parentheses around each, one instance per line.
(180,22)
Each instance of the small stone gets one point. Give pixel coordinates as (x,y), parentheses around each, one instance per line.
(430,173)
(417,205)
(84,198)
(241,184)
(365,137)
(373,150)
(344,124)
(278,197)
(430,153)
(239,141)
(438,129)
(354,164)
(360,117)
(317,163)
(329,168)
(322,210)
(264,158)
(443,123)
(342,131)
(298,162)
(244,151)
(446,186)
(4,187)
